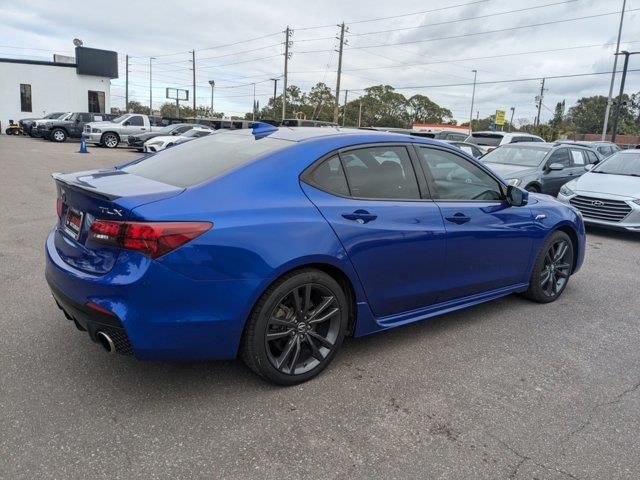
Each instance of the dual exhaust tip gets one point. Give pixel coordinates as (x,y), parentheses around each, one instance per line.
(105,340)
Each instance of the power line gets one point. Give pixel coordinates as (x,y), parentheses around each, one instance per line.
(417,13)
(472,34)
(489,15)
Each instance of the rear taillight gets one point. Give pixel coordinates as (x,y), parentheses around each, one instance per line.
(150,238)
(59,207)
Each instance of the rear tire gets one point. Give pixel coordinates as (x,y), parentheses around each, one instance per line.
(552,269)
(296,327)
(532,189)
(109,140)
(58,135)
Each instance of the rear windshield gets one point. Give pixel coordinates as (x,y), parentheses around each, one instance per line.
(197,161)
(487,139)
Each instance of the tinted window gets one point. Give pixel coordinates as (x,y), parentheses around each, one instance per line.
(195,162)
(535,139)
(136,121)
(381,172)
(578,157)
(182,129)
(329,176)
(25,97)
(488,139)
(458,136)
(519,139)
(560,156)
(455,178)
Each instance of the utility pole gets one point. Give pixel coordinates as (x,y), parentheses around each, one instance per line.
(613,74)
(473,97)
(213,85)
(275,93)
(540,98)
(344,110)
(193,60)
(336,110)
(287,43)
(360,114)
(151,86)
(126,86)
(253,116)
(616,114)
(513,110)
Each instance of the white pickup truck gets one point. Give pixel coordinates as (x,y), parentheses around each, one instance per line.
(110,134)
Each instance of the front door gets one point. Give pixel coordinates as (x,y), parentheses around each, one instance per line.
(393,236)
(488,241)
(552,180)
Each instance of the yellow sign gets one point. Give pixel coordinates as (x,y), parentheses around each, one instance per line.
(500,114)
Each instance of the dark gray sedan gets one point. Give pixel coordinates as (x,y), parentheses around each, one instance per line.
(540,167)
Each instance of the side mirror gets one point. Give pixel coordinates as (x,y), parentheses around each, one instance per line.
(517,197)
(77,120)
(556,166)
(589,166)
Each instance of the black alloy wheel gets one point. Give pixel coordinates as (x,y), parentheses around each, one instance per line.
(296,327)
(552,269)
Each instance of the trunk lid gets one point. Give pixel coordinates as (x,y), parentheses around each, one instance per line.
(84,197)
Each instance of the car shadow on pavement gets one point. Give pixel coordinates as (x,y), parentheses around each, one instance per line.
(614,234)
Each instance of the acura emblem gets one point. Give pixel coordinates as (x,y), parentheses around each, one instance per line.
(597,203)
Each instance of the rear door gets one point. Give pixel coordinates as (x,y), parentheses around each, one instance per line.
(392,232)
(488,241)
(552,180)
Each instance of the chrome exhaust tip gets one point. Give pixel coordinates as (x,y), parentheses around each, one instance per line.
(106,342)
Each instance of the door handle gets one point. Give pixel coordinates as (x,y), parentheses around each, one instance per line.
(458,218)
(360,216)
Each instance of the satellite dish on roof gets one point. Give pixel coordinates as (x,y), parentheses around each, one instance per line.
(77,42)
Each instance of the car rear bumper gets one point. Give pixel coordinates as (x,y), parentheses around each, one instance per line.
(158,313)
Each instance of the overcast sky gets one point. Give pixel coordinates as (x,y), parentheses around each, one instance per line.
(401,57)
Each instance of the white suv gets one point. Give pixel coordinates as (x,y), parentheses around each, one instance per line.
(491,140)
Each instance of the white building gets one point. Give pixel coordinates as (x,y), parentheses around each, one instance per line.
(32,89)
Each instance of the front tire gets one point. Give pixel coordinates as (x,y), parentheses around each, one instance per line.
(552,269)
(110,140)
(58,135)
(532,189)
(296,327)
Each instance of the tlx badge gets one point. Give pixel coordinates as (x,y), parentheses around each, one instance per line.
(111,211)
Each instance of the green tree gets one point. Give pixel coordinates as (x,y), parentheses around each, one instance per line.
(137,107)
(422,109)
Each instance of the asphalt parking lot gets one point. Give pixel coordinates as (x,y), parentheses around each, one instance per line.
(509,389)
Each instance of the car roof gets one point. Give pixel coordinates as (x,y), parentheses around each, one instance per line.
(299,134)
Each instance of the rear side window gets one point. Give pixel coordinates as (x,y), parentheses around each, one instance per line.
(196,162)
(381,173)
(487,139)
(592,157)
(329,176)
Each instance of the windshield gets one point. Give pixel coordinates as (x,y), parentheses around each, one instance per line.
(621,164)
(66,116)
(54,115)
(487,139)
(121,118)
(512,155)
(196,133)
(196,162)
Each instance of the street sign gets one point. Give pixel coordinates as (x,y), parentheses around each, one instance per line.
(500,114)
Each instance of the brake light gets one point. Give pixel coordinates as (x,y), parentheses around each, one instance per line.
(150,238)
(59,207)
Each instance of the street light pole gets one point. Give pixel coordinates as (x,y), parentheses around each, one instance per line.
(613,74)
(616,115)
(473,97)
(275,93)
(513,110)
(253,116)
(213,84)
(151,85)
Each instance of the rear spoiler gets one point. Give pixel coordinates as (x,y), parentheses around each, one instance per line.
(77,184)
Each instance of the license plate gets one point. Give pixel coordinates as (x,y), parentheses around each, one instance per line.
(73,222)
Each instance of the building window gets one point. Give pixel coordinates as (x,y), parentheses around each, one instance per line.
(25,97)
(96,102)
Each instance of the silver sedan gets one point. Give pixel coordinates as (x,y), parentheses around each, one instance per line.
(609,193)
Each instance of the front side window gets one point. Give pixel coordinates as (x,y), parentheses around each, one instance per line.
(329,176)
(25,98)
(381,173)
(560,156)
(593,158)
(455,178)
(96,102)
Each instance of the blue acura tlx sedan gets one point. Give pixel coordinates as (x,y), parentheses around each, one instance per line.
(275,243)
